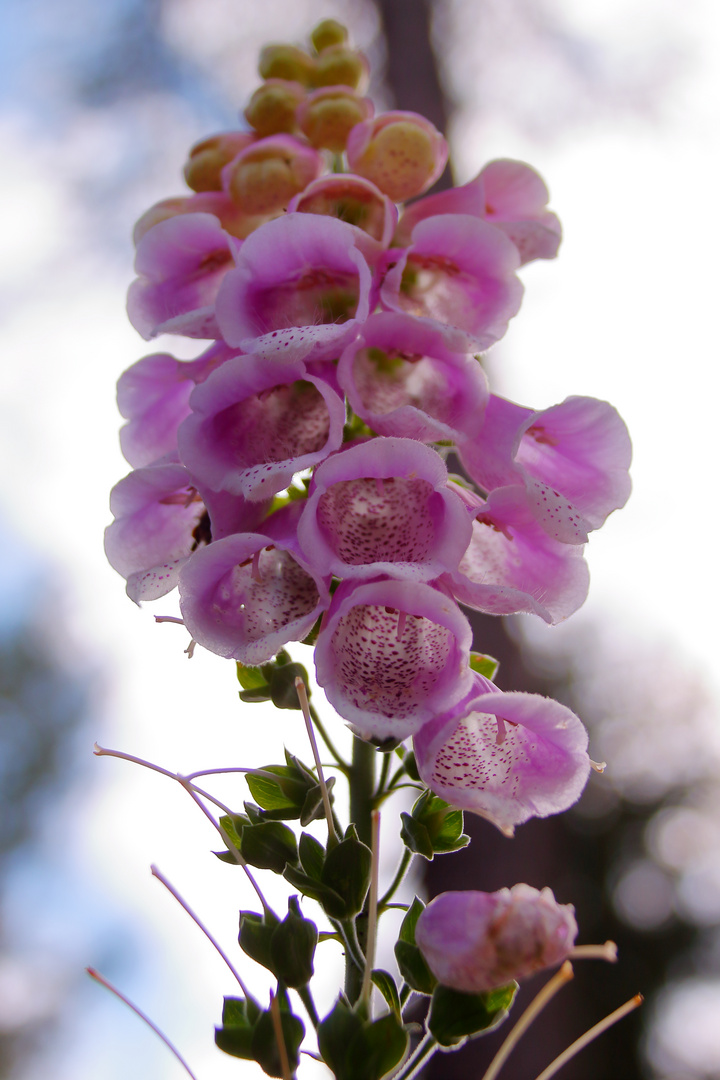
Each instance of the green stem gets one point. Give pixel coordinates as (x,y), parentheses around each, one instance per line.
(397,880)
(362,785)
(382,782)
(353,953)
(307,1000)
(339,759)
(424,1050)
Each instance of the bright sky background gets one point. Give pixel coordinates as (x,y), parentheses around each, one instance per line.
(627,313)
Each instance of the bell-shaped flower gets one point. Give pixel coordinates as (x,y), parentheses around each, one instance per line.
(153,396)
(505,756)
(510,195)
(356,201)
(160,519)
(477,941)
(264,177)
(402,378)
(391,655)
(299,290)
(513,565)
(458,270)
(573,459)
(247,595)
(384,507)
(255,423)
(180,264)
(401,152)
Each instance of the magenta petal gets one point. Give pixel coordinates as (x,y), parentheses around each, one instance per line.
(460,271)
(466,199)
(391,654)
(297,272)
(402,378)
(476,941)
(505,756)
(246,596)
(255,423)
(180,264)
(384,507)
(157,512)
(512,564)
(582,448)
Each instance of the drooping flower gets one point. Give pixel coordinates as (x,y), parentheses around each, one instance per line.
(505,756)
(511,564)
(300,287)
(573,459)
(391,655)
(180,262)
(476,941)
(255,423)
(458,270)
(356,201)
(510,195)
(248,595)
(384,507)
(402,378)
(264,177)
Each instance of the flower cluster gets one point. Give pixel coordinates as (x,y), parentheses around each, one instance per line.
(292,480)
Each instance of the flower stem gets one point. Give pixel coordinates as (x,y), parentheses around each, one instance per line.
(417,1060)
(303,698)
(588,1037)
(307,1000)
(397,880)
(339,759)
(362,784)
(366,991)
(538,1003)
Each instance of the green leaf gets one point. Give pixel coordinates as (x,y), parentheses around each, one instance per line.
(455,1016)
(410,960)
(255,936)
(314,808)
(238,1021)
(415,837)
(484,665)
(264,1042)
(410,765)
(327,897)
(282,685)
(356,1049)
(250,678)
(293,947)
(347,872)
(278,788)
(233,826)
(269,846)
(312,855)
(388,988)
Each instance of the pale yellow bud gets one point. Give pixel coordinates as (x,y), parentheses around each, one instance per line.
(327,33)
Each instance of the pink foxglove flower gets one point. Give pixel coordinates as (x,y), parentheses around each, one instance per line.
(476,941)
(402,378)
(460,271)
(505,756)
(391,655)
(266,175)
(180,264)
(510,195)
(255,423)
(513,565)
(301,287)
(573,458)
(248,595)
(153,396)
(356,201)
(384,507)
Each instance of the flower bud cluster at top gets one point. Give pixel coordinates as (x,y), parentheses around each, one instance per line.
(293,475)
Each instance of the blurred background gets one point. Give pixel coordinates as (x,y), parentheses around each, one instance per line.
(617,105)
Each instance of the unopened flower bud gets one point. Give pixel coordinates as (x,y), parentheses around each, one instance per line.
(327,33)
(340,66)
(476,941)
(329,114)
(160,211)
(264,178)
(286,62)
(208,158)
(272,107)
(401,152)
